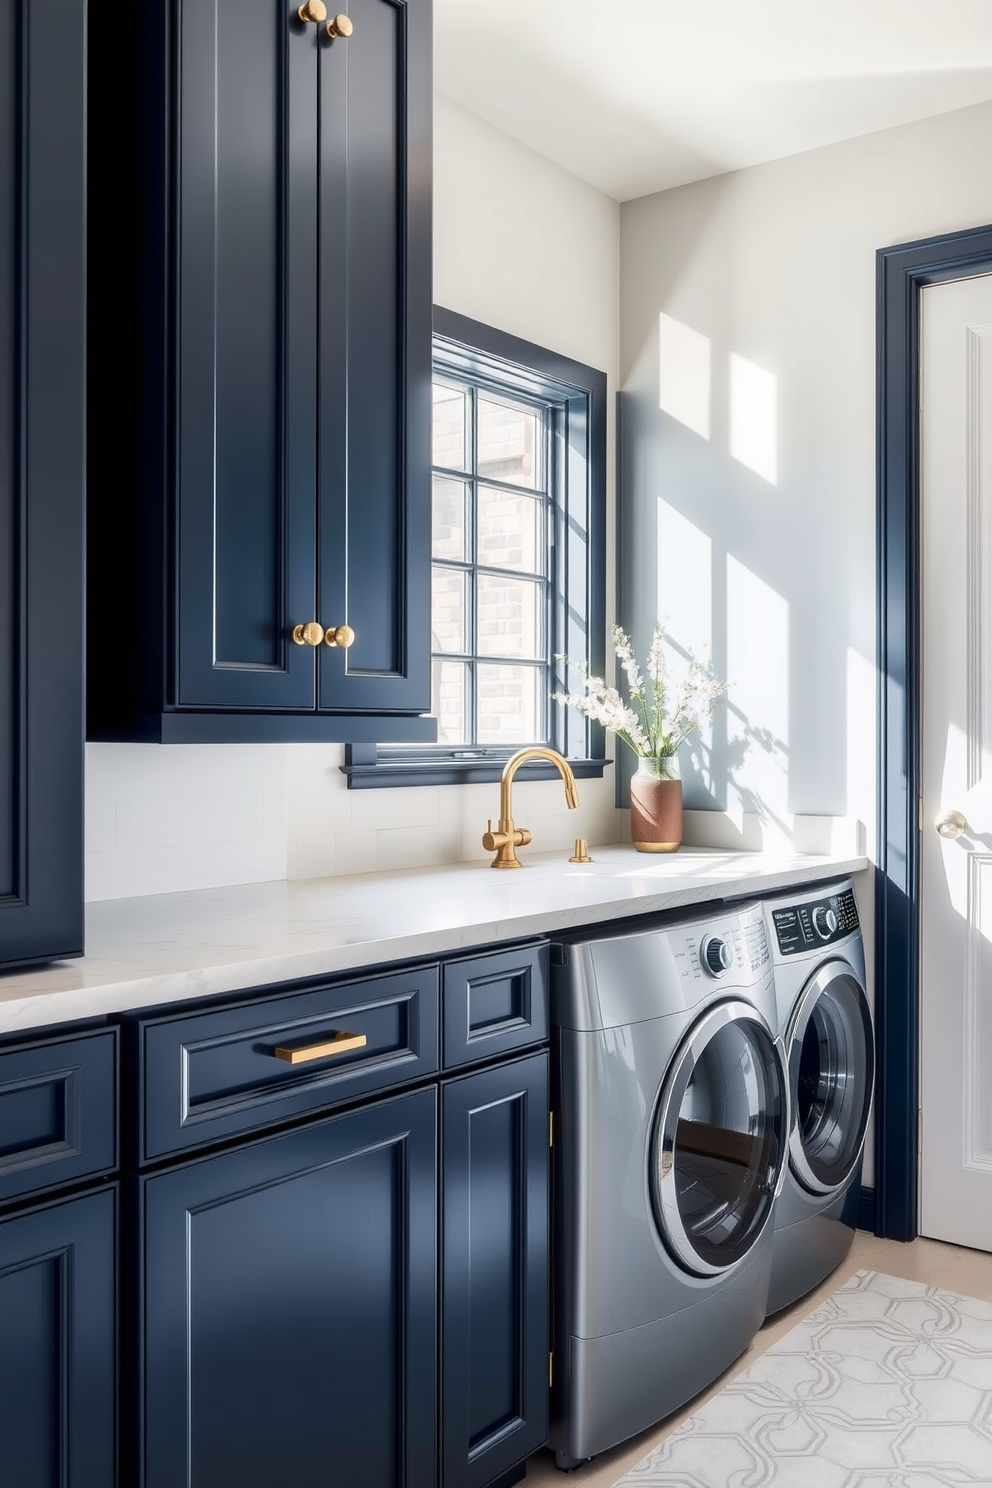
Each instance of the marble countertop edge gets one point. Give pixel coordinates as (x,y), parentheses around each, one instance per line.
(162,949)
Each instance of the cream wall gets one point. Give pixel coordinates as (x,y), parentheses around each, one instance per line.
(529,248)
(749,506)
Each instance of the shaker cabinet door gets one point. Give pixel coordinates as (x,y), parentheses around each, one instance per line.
(58,1379)
(259,429)
(42,365)
(289,1308)
(374,289)
(494,1270)
(246,361)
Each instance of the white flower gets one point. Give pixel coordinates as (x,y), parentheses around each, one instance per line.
(625,652)
(656,655)
(655,726)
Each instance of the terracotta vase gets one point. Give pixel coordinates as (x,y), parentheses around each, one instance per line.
(656,804)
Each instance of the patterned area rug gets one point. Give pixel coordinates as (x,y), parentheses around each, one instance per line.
(888,1384)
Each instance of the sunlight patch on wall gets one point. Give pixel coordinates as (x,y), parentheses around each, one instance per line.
(758,670)
(685,579)
(684,374)
(754,417)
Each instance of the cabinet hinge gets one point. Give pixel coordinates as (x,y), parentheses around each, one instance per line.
(551,1128)
(919,816)
(551,1370)
(919,1130)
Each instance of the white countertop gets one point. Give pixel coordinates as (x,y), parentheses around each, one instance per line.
(171,947)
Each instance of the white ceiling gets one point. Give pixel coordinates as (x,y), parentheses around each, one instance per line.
(639,95)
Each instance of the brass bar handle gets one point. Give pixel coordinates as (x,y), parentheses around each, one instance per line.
(313,10)
(310,634)
(339,635)
(340,26)
(341,1043)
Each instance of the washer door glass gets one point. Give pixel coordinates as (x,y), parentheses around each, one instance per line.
(720,1139)
(832,1071)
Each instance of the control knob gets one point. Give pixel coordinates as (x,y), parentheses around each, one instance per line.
(717,955)
(825,921)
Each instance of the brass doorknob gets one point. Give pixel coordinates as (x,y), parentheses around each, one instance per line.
(308,635)
(951,825)
(313,10)
(339,635)
(340,26)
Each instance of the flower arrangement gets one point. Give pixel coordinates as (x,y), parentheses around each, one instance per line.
(659,715)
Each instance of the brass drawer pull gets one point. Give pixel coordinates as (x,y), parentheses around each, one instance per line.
(340,26)
(339,1044)
(313,10)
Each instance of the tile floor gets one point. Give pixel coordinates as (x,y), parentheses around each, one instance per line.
(968,1272)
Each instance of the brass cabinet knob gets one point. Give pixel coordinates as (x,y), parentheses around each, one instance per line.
(313,10)
(951,825)
(339,635)
(308,635)
(340,26)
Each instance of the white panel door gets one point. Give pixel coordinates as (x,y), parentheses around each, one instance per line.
(956,869)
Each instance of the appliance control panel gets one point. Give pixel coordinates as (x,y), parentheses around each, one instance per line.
(735,945)
(804,927)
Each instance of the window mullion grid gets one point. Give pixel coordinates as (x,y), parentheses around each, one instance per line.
(472,618)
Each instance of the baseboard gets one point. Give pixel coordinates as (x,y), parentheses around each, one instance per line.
(866,1210)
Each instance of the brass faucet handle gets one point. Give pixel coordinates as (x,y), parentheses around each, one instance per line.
(503,841)
(581,854)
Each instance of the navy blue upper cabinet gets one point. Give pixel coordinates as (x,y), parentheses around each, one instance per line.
(42,304)
(259,454)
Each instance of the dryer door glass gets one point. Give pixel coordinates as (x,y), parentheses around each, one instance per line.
(832,1069)
(720,1139)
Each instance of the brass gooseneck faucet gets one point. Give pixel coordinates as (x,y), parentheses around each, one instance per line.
(507,837)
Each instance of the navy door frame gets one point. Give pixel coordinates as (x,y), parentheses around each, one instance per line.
(902,272)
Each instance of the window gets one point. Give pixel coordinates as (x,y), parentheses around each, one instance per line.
(518,578)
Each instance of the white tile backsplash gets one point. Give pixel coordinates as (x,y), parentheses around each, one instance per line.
(163,818)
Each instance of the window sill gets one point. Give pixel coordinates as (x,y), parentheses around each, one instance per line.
(382,774)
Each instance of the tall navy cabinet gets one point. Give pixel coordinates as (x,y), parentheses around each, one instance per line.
(259,516)
(42,302)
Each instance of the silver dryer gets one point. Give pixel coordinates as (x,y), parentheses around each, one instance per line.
(670,1147)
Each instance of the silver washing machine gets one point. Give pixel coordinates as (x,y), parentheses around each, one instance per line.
(825,1020)
(672,1120)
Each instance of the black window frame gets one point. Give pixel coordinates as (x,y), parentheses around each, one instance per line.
(482,353)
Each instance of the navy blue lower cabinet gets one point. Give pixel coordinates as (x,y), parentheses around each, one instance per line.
(290,1301)
(58,1325)
(494,1270)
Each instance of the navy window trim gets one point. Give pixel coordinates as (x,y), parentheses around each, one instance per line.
(578,622)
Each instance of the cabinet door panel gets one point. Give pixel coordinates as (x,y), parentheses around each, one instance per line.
(494,1273)
(247,353)
(57,1345)
(375,351)
(42,130)
(289,1308)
